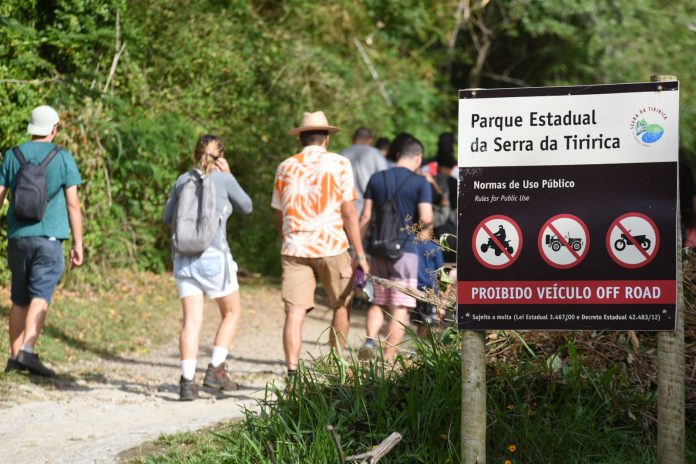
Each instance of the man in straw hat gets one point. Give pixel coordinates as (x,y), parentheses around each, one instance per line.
(313,195)
(35,253)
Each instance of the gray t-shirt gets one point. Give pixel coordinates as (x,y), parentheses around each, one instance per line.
(229,196)
(366,160)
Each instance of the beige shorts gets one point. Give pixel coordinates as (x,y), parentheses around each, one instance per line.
(300,277)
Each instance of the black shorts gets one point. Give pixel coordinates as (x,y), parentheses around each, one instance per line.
(424,314)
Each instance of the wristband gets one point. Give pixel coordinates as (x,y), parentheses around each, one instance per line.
(359,257)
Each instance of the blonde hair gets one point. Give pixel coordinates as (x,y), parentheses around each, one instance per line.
(208,149)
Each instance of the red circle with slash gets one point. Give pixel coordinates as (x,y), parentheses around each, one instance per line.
(633,240)
(489,249)
(564,251)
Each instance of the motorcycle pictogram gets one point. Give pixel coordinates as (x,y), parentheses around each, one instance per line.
(642,240)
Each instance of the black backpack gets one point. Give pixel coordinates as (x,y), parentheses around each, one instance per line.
(385,233)
(30,196)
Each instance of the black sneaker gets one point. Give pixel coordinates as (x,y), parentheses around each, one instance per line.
(12,366)
(32,363)
(188,390)
(216,377)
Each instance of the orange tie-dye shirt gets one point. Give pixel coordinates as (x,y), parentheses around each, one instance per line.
(309,189)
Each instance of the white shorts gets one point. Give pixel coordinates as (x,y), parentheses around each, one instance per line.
(213,273)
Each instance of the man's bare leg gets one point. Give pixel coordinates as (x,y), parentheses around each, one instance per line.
(34,322)
(292,337)
(375,320)
(339,328)
(18,319)
(396,330)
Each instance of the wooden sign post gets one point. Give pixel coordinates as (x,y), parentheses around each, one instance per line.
(670,370)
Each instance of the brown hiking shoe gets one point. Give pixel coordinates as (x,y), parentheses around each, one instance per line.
(32,363)
(188,390)
(216,377)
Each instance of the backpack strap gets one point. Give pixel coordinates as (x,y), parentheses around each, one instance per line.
(22,160)
(398,189)
(52,154)
(18,154)
(402,184)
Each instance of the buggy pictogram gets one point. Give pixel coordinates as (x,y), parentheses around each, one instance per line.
(555,243)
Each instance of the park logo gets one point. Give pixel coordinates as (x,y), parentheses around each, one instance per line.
(644,125)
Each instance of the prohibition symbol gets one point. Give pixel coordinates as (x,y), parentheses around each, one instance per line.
(564,241)
(497,242)
(633,240)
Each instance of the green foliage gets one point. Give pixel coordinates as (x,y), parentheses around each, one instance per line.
(537,413)
(365,403)
(246,69)
(562,412)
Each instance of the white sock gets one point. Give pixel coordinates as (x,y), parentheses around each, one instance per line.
(28,348)
(188,368)
(219,356)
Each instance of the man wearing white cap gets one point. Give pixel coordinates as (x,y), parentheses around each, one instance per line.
(313,195)
(36,230)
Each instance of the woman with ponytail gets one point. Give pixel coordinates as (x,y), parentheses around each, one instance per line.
(212,273)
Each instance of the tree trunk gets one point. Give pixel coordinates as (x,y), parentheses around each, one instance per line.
(473,397)
(670,370)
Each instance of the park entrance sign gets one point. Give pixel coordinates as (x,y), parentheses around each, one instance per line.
(568,207)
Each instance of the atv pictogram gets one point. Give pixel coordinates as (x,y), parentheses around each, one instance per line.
(500,235)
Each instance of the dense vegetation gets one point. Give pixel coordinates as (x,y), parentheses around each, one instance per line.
(136,82)
(538,412)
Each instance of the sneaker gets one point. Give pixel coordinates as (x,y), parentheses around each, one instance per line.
(216,377)
(12,366)
(188,390)
(32,363)
(367,351)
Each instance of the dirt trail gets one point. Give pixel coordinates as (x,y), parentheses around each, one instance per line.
(121,403)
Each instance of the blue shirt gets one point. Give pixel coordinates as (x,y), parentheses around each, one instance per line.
(408,190)
(61,173)
(430,259)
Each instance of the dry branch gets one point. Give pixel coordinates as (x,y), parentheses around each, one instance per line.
(373,72)
(381,450)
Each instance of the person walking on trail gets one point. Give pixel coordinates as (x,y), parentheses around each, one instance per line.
(313,195)
(365,160)
(208,267)
(430,260)
(411,195)
(44,209)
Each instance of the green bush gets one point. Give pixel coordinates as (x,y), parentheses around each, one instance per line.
(246,69)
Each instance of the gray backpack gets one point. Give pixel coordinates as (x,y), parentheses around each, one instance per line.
(195,219)
(30,196)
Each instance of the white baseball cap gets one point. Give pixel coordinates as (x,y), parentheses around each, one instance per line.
(43,119)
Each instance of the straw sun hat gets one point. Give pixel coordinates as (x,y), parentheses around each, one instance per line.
(314,122)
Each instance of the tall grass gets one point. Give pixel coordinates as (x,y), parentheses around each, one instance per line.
(538,412)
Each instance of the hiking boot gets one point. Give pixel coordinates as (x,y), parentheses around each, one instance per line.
(12,366)
(32,363)
(216,377)
(188,390)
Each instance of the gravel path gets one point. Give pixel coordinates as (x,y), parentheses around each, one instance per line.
(118,404)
